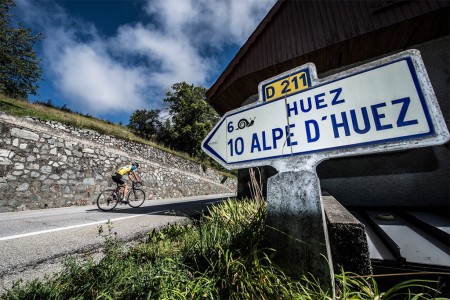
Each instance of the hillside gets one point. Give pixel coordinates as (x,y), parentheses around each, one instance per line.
(23,108)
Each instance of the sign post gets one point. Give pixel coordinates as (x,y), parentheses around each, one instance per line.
(386,105)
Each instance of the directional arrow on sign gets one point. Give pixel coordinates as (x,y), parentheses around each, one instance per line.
(387,106)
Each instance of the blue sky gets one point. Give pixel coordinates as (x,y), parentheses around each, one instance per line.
(108,58)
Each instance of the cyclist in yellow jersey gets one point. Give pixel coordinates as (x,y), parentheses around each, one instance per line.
(129,170)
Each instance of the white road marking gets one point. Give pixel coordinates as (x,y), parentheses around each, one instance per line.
(17,236)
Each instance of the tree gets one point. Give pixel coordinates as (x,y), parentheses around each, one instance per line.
(165,135)
(145,123)
(20,69)
(192,117)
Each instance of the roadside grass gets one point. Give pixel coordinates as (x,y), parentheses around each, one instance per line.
(23,108)
(221,256)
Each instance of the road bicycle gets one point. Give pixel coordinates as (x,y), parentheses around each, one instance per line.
(108,199)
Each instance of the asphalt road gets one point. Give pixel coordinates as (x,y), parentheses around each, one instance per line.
(36,242)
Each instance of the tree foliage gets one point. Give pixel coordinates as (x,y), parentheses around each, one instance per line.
(146,123)
(20,69)
(192,117)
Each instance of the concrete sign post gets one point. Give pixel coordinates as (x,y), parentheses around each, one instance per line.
(386,105)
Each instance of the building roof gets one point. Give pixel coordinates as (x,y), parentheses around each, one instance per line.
(331,34)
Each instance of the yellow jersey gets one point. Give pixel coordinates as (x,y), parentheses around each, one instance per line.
(125,169)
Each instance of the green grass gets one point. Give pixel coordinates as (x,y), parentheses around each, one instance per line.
(22,108)
(220,257)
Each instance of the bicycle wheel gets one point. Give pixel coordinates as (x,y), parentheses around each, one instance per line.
(105,201)
(136,197)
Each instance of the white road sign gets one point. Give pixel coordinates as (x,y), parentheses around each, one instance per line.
(382,104)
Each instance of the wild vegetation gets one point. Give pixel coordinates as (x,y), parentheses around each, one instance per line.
(222,256)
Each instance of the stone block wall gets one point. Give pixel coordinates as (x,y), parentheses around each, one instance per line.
(46,164)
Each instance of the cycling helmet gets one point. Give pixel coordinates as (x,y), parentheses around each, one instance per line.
(136,164)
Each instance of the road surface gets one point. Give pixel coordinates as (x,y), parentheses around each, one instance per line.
(36,242)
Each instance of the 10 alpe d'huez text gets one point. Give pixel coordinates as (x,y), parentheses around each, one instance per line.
(352,122)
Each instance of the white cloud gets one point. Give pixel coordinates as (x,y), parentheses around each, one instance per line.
(210,21)
(88,76)
(97,82)
(175,59)
(245,16)
(133,69)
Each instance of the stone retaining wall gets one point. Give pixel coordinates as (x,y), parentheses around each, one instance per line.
(47,164)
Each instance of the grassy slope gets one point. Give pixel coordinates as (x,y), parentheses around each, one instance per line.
(24,109)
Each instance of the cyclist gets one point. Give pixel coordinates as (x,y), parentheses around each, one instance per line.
(130,170)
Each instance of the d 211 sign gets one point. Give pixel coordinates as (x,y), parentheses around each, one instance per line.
(378,107)
(285,84)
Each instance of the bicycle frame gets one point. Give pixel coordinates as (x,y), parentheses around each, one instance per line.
(119,187)
(117,196)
